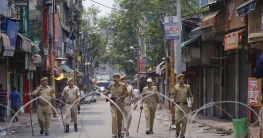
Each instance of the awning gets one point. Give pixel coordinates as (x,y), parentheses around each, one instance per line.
(231,40)
(6,40)
(66,68)
(61,76)
(8,49)
(195,32)
(157,70)
(189,41)
(246,7)
(26,42)
(79,72)
(209,19)
(255,37)
(161,70)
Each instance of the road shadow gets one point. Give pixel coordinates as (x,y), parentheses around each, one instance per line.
(90,113)
(91,122)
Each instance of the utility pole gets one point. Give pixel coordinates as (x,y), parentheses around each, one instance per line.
(172,62)
(178,49)
(51,56)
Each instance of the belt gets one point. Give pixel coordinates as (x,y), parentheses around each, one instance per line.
(150,103)
(69,102)
(127,104)
(181,103)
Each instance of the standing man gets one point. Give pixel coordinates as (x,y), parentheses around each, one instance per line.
(16,100)
(72,96)
(258,71)
(44,109)
(136,93)
(118,93)
(150,104)
(3,103)
(181,91)
(127,105)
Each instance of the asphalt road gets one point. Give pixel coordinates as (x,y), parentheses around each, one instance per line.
(95,122)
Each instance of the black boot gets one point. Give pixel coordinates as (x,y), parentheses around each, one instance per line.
(67,129)
(151,131)
(76,127)
(41,132)
(177,135)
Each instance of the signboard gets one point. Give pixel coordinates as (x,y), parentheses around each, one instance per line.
(8,53)
(171,28)
(26,45)
(191,73)
(231,40)
(254,92)
(11,29)
(141,64)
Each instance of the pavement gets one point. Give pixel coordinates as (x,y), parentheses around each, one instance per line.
(92,119)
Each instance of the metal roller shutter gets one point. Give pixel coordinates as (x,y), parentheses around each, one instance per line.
(217,96)
(230,84)
(208,90)
(243,76)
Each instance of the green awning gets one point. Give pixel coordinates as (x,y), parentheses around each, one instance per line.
(189,41)
(66,68)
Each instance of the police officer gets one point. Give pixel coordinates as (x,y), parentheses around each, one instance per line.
(181,92)
(72,96)
(118,92)
(44,108)
(150,104)
(127,104)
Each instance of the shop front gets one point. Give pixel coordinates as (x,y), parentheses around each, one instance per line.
(255,36)
(192,77)
(235,51)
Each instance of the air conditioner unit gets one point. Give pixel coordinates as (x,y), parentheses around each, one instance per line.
(20,3)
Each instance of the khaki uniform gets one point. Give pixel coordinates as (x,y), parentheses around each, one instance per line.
(180,94)
(44,108)
(127,107)
(150,104)
(71,95)
(116,91)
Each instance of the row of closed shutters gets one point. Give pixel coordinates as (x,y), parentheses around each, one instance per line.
(230,85)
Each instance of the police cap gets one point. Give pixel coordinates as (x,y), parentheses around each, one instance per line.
(45,78)
(122,77)
(116,75)
(70,79)
(181,75)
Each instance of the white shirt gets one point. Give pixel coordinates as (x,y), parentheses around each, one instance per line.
(136,92)
(127,100)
